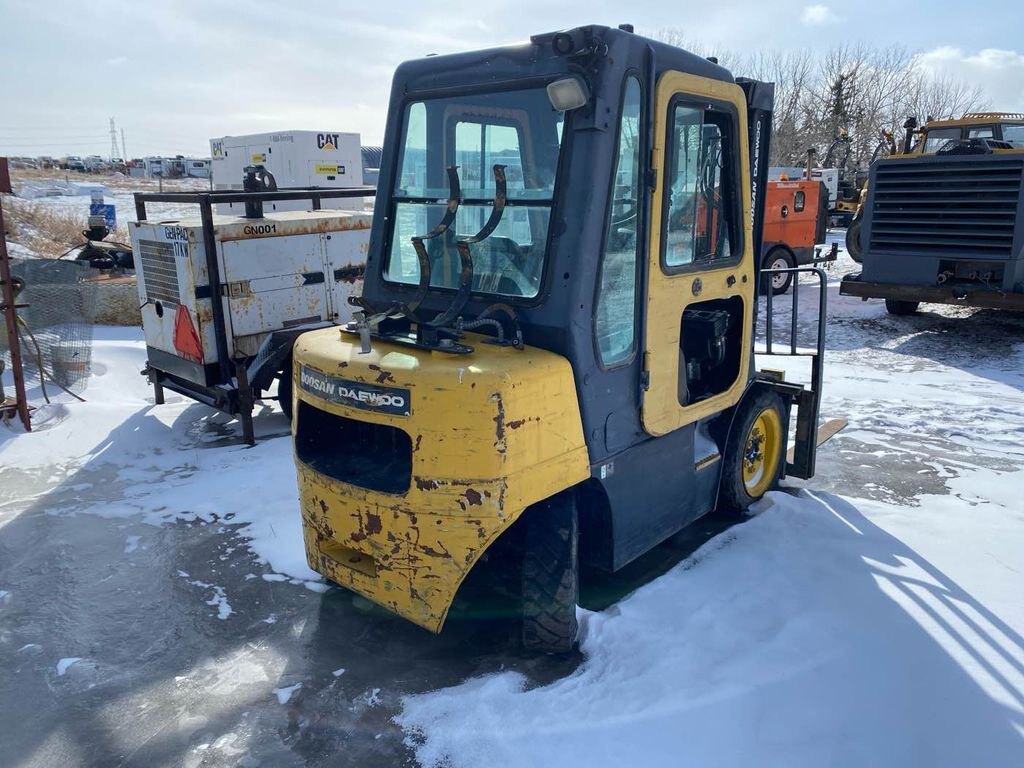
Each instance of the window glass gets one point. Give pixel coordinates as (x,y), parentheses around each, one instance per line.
(939,137)
(798,201)
(475,132)
(414,152)
(1014,134)
(698,205)
(615,318)
(987,132)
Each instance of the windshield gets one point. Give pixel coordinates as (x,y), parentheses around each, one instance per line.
(1014,134)
(939,137)
(518,129)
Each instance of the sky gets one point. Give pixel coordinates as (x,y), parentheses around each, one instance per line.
(175,73)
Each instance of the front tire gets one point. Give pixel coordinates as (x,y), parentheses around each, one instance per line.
(897,307)
(777,258)
(754,451)
(550,576)
(853,240)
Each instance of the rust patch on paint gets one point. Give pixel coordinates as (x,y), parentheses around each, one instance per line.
(373,524)
(499,423)
(473,497)
(383,376)
(516,424)
(435,553)
(425,484)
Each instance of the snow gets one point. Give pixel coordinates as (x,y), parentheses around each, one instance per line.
(822,632)
(284,695)
(153,456)
(64,664)
(879,627)
(883,628)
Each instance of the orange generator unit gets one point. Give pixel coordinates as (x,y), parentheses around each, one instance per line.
(795,220)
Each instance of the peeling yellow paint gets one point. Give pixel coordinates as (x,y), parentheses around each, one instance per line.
(492,433)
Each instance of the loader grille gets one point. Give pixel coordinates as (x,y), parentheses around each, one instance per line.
(159,272)
(957,206)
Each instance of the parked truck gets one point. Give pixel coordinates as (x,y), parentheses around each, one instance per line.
(942,221)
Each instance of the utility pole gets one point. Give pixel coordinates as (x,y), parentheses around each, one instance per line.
(113,140)
(124,152)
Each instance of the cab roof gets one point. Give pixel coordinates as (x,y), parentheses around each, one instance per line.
(539,55)
(978,118)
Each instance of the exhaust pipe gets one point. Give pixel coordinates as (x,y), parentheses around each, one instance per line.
(908,137)
(257,179)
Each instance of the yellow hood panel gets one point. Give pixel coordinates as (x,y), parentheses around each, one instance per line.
(492,432)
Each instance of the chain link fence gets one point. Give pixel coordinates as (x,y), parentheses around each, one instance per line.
(54,329)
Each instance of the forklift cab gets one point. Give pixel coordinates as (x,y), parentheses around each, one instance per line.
(554,352)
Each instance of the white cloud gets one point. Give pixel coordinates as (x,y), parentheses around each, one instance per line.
(818,16)
(999,73)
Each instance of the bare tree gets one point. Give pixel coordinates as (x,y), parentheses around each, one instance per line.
(841,99)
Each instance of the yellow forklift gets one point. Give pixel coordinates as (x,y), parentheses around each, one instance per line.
(554,351)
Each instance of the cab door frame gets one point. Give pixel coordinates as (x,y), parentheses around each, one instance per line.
(669,293)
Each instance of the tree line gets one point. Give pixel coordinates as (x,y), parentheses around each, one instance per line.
(854,87)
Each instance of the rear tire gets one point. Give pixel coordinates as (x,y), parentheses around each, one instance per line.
(897,307)
(285,388)
(550,576)
(754,451)
(777,258)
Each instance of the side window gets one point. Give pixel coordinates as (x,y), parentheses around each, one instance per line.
(615,317)
(798,201)
(981,133)
(699,212)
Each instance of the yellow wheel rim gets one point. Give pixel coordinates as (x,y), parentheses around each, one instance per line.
(761,452)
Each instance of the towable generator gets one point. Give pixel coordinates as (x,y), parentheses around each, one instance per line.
(554,353)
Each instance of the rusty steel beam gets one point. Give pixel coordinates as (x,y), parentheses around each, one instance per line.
(934,294)
(10,313)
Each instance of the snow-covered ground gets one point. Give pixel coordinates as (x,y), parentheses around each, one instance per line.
(161,472)
(871,616)
(881,626)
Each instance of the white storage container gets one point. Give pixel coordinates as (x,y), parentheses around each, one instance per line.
(324,159)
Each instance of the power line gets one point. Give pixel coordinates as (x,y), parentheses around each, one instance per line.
(31,141)
(30,129)
(92,143)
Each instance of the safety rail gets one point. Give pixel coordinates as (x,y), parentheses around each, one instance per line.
(808,401)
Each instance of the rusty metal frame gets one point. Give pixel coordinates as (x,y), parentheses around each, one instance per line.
(11,317)
(967,296)
(241,399)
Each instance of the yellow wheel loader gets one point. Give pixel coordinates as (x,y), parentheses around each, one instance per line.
(554,350)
